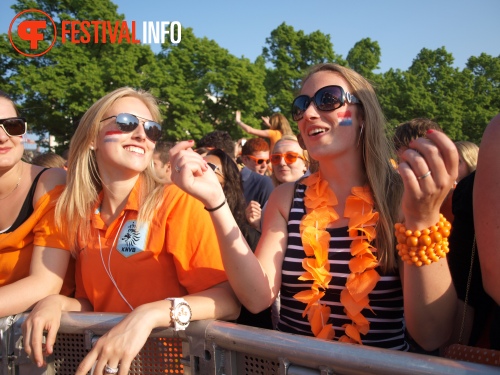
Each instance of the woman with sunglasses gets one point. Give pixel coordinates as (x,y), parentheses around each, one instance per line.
(278,126)
(328,244)
(289,164)
(288,160)
(31,257)
(141,247)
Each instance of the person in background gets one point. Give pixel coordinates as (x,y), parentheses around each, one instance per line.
(49,160)
(33,262)
(278,126)
(487,208)
(256,188)
(328,243)
(255,155)
(229,177)
(142,248)
(216,139)
(467,153)
(476,311)
(289,160)
(161,161)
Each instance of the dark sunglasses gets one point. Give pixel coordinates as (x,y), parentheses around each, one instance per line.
(215,168)
(14,126)
(327,98)
(257,160)
(128,123)
(290,157)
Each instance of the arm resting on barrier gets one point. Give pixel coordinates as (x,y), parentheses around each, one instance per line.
(119,346)
(48,266)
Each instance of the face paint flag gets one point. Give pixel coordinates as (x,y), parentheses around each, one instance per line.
(345,118)
(111,136)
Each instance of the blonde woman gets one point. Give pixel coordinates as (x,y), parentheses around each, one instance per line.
(467,154)
(328,243)
(142,248)
(289,160)
(278,126)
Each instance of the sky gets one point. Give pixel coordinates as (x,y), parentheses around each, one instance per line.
(401,27)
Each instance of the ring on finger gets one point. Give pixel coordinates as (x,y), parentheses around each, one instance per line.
(424,175)
(177,169)
(110,370)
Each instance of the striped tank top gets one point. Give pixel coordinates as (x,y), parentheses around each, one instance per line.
(387,328)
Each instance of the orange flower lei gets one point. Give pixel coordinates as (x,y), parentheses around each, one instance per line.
(319,200)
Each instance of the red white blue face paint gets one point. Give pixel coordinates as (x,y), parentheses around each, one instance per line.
(112,136)
(345,118)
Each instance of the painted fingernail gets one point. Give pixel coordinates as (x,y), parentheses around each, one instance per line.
(430,131)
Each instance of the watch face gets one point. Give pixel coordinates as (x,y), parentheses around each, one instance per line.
(183,315)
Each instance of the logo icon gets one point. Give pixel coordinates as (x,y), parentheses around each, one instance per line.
(34,31)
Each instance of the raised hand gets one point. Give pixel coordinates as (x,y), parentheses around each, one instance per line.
(429,169)
(191,174)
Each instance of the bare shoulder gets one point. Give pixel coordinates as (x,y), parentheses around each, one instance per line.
(49,180)
(281,198)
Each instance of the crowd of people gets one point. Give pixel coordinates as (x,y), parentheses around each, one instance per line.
(335,232)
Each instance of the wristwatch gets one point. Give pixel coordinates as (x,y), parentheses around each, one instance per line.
(180,313)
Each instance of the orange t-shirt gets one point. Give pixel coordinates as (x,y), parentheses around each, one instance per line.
(175,254)
(39,229)
(274,136)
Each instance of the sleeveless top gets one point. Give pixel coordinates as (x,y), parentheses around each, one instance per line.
(387,326)
(27,208)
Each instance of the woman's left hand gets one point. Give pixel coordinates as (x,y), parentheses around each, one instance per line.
(118,347)
(429,168)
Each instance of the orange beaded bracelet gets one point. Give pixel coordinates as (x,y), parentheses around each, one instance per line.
(422,247)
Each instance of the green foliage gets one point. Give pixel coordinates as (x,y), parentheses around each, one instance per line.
(364,57)
(200,85)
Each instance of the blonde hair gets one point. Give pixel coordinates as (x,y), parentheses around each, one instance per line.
(289,138)
(279,122)
(468,151)
(74,207)
(384,181)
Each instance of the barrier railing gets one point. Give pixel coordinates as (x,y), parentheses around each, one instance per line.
(215,347)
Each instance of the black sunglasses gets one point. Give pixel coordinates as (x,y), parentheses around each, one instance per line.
(128,123)
(14,126)
(327,98)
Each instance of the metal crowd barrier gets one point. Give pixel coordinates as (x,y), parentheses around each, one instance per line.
(216,347)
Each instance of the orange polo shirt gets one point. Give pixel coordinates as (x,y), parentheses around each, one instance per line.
(39,229)
(175,254)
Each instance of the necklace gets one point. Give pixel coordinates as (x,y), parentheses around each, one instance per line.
(15,187)
(319,200)
(108,268)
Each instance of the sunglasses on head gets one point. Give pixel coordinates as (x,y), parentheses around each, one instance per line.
(290,157)
(13,126)
(215,168)
(128,123)
(327,98)
(257,160)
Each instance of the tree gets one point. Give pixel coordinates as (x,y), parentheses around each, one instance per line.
(202,85)
(480,95)
(364,57)
(289,54)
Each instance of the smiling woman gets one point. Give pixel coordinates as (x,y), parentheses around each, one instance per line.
(115,203)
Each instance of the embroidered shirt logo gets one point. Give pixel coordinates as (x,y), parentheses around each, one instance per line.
(132,240)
